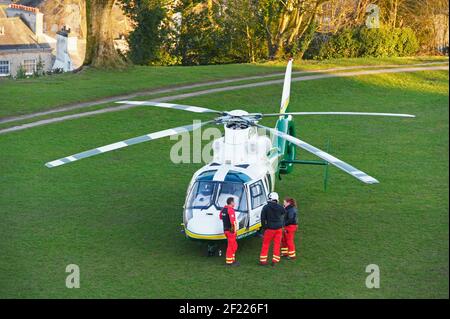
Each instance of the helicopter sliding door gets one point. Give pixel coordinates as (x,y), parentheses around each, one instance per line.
(258,198)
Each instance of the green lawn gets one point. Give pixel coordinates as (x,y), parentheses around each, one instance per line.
(31,95)
(117,215)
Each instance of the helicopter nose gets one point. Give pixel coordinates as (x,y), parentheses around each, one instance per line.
(206,222)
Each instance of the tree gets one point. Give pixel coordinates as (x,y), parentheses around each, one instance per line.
(430,21)
(242,30)
(334,15)
(149,32)
(285,22)
(200,38)
(100,51)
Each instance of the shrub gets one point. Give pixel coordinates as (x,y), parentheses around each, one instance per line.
(376,42)
(305,41)
(365,42)
(407,43)
(342,45)
(21,73)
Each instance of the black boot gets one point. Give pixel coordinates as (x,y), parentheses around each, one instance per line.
(235,264)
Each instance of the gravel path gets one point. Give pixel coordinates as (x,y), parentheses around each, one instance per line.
(311,75)
(80,105)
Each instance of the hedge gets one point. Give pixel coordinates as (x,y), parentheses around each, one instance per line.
(365,42)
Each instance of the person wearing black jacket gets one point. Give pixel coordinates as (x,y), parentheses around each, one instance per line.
(272,219)
(290,228)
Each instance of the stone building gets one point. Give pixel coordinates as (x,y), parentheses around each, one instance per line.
(22,42)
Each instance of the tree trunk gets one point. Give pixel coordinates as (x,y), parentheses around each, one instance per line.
(100,51)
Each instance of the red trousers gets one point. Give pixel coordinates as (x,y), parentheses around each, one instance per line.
(232,246)
(287,243)
(269,236)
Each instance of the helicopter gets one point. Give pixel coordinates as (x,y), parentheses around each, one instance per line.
(244,166)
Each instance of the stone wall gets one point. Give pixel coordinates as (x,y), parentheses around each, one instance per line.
(16,58)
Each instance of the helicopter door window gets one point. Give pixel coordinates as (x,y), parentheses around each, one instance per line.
(258,194)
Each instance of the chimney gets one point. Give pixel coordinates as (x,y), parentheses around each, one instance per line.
(39,24)
(30,15)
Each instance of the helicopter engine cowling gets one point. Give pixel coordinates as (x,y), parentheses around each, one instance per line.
(240,146)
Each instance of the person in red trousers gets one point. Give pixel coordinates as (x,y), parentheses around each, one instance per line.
(272,216)
(228,217)
(290,228)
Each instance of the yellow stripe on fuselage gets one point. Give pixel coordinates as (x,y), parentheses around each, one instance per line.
(241,232)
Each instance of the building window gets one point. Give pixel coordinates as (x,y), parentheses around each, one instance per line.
(4,67)
(29,66)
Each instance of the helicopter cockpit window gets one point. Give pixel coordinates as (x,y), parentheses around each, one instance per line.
(235,190)
(201,196)
(207,176)
(235,176)
(258,194)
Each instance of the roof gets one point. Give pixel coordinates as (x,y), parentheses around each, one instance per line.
(17,35)
(23,8)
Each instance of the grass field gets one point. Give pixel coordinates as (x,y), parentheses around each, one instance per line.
(31,95)
(117,215)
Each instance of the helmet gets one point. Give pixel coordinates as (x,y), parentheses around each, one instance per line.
(273,196)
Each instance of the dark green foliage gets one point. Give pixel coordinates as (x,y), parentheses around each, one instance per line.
(195,32)
(305,40)
(200,42)
(40,65)
(147,38)
(217,34)
(244,35)
(21,72)
(343,44)
(366,42)
(407,43)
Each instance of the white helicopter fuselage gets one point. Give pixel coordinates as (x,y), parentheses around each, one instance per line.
(241,168)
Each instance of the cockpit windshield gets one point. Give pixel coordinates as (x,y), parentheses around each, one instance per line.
(207,193)
(201,196)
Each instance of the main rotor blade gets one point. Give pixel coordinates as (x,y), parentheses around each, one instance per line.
(335,113)
(325,156)
(286,88)
(190,108)
(125,143)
